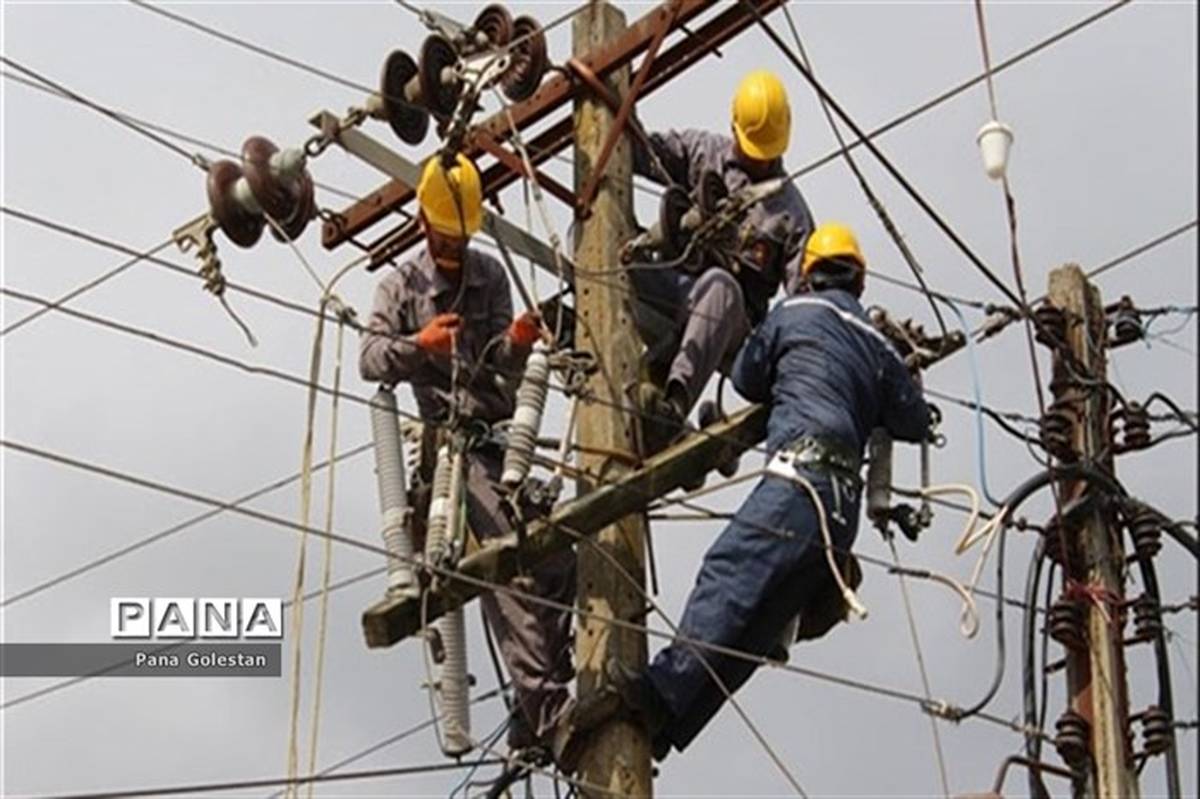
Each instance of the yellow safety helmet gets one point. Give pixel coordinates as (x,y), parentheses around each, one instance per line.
(452,199)
(762,118)
(831,240)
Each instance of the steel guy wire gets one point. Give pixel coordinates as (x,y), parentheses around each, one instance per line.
(873,200)
(480,583)
(1139,250)
(254,48)
(938,220)
(163,129)
(194,158)
(83,288)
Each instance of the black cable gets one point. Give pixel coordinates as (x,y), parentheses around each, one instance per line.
(1180,414)
(1162,658)
(1033,744)
(214,787)
(1076,471)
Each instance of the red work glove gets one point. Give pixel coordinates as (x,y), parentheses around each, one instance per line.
(525,329)
(437,337)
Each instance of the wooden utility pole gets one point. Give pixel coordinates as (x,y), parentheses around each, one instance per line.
(1094,552)
(618,755)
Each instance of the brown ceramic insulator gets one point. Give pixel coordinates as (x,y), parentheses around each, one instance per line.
(1156,730)
(1129,428)
(277,198)
(495,23)
(1055,430)
(711,191)
(1072,732)
(1147,619)
(409,122)
(1146,531)
(529,60)
(438,56)
(242,227)
(1064,622)
(1051,327)
(1126,322)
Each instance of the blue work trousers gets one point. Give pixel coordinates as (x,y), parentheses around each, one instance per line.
(766,566)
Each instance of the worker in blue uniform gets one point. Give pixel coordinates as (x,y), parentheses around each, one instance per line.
(829,378)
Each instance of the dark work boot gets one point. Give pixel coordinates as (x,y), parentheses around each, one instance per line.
(638,695)
(663,415)
(707,415)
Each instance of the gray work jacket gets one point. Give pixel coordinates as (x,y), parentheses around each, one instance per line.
(688,154)
(489,364)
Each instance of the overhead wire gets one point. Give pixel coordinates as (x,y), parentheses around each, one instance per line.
(468,579)
(169,132)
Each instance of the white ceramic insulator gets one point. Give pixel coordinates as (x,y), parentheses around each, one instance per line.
(454,685)
(527,418)
(439,506)
(245,197)
(288,165)
(879,474)
(393,500)
(455,523)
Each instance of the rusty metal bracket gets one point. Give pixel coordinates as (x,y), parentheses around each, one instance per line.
(512,161)
(625,111)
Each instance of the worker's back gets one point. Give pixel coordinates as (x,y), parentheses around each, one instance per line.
(828,373)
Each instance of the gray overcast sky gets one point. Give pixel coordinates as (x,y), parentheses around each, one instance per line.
(1104,159)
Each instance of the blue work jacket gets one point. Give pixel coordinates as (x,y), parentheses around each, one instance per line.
(827,373)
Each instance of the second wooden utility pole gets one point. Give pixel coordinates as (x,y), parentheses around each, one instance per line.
(1093,553)
(618,755)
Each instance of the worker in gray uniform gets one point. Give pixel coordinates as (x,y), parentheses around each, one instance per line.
(448,312)
(829,379)
(714,309)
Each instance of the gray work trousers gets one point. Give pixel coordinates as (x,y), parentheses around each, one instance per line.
(534,640)
(709,312)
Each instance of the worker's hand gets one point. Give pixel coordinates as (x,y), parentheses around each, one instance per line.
(437,337)
(525,329)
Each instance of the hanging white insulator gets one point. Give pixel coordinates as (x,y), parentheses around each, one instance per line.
(454,685)
(527,418)
(994,140)
(456,523)
(439,506)
(393,501)
(879,476)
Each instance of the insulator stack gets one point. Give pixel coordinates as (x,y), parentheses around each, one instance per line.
(454,684)
(1146,530)
(1072,732)
(1056,544)
(1056,428)
(527,419)
(393,500)
(1156,730)
(1147,619)
(436,543)
(1129,427)
(1051,326)
(529,60)
(1064,621)
(879,477)
(1126,322)
(268,182)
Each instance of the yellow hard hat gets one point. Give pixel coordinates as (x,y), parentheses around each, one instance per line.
(452,199)
(831,240)
(762,118)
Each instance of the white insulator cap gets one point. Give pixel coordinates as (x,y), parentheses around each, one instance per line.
(995,139)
